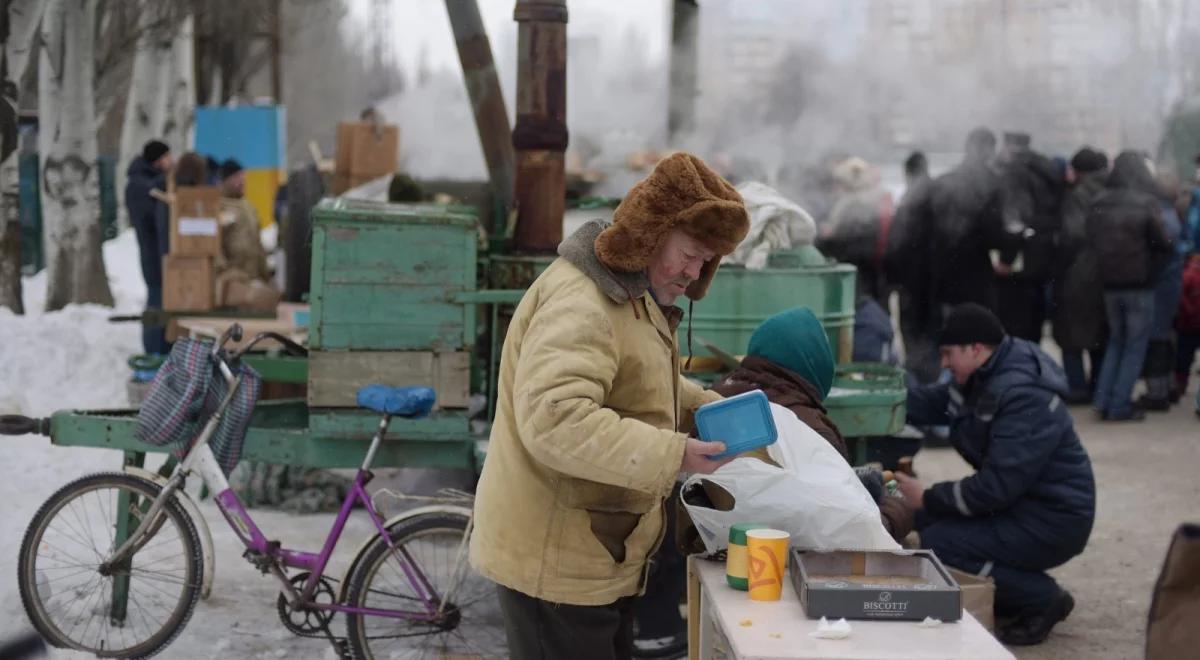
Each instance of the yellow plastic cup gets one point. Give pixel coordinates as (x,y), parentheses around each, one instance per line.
(766,551)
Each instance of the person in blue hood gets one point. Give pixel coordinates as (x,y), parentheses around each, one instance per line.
(148,172)
(1031,503)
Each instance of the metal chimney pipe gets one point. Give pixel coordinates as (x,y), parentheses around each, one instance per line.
(487,101)
(540,136)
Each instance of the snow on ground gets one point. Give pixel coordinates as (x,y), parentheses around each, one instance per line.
(76,358)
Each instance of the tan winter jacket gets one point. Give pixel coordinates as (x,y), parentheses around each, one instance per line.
(241,247)
(586,443)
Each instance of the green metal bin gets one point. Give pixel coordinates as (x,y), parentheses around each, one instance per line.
(385,276)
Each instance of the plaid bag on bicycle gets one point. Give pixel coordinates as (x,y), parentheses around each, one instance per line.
(187,390)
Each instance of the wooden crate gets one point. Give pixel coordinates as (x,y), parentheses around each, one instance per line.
(385,276)
(367,150)
(195,229)
(334,377)
(187,283)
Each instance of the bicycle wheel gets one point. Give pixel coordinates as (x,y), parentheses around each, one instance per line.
(73,605)
(471,626)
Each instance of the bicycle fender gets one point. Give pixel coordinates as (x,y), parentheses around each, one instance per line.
(189,505)
(450,509)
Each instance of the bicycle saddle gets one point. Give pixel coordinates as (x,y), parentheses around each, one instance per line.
(410,402)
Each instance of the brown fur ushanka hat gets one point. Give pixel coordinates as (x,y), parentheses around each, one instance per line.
(681,193)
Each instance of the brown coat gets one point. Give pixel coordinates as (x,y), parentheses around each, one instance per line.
(790,390)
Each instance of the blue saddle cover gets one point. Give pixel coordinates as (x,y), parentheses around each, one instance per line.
(410,402)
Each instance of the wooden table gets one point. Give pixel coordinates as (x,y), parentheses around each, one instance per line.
(210,327)
(724,622)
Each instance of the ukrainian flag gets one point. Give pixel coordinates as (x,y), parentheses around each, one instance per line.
(255,137)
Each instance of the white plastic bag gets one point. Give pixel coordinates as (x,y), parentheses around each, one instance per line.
(776,223)
(815,496)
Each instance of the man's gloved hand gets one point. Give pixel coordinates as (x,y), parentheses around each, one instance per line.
(872,480)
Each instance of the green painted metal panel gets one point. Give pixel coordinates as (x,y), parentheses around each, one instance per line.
(385,276)
(277,435)
(441,426)
(279,369)
(739,300)
(867,400)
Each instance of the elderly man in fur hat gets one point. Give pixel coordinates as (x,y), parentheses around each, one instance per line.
(593,413)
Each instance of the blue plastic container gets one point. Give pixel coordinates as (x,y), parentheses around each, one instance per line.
(742,422)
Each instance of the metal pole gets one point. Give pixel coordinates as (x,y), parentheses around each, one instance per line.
(487,101)
(685,37)
(540,136)
(276,58)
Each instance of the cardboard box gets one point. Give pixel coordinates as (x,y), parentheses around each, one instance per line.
(365,149)
(195,227)
(187,283)
(236,292)
(901,585)
(978,596)
(334,377)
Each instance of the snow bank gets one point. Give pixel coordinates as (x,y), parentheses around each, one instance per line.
(76,358)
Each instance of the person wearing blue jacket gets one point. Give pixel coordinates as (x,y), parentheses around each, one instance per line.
(1031,503)
(148,216)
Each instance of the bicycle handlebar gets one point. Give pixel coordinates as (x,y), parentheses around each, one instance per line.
(233,332)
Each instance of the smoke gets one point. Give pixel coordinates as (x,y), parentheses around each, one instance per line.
(784,86)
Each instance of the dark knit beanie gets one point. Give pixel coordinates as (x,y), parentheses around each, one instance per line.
(229,168)
(971,323)
(154,150)
(1089,160)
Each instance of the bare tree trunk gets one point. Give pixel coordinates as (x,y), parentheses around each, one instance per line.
(180,100)
(67,144)
(19,22)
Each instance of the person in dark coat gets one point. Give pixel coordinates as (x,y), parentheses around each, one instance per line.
(1168,286)
(1126,232)
(149,219)
(1032,194)
(966,223)
(1031,502)
(790,360)
(908,269)
(1079,319)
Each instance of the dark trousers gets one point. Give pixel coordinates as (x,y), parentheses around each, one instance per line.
(152,245)
(541,630)
(1185,353)
(1078,380)
(1021,306)
(657,612)
(1000,547)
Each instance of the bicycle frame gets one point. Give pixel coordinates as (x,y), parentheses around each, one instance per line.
(269,555)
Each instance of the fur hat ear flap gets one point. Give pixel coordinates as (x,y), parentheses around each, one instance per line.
(619,248)
(697,289)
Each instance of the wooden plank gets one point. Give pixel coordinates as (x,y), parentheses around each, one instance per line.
(209,327)
(334,377)
(693,602)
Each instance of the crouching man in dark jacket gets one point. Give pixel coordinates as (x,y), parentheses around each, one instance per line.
(1030,504)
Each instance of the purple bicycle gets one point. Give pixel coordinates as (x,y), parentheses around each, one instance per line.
(126,590)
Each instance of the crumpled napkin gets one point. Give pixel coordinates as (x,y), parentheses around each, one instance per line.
(930,622)
(839,629)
